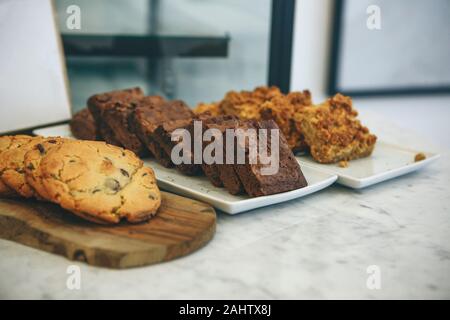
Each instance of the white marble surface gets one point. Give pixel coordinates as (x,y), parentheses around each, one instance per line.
(315,247)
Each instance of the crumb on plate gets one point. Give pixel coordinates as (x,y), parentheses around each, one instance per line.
(419,157)
(343,164)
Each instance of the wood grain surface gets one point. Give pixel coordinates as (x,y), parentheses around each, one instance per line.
(181,226)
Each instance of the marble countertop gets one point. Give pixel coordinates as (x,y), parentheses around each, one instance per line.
(319,246)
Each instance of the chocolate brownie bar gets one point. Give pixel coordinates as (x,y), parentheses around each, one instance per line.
(144,121)
(204,121)
(163,136)
(149,114)
(99,103)
(118,118)
(211,170)
(230,178)
(212,173)
(288,176)
(83,126)
(227,173)
(107,135)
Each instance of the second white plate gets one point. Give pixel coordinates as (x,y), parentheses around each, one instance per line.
(387,161)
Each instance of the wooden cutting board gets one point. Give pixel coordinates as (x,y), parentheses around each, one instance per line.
(181,226)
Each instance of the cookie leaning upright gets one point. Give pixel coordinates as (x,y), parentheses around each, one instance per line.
(5,191)
(100,182)
(10,171)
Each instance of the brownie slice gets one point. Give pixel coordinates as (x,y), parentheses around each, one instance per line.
(212,173)
(288,177)
(118,118)
(163,136)
(144,121)
(99,103)
(226,172)
(208,122)
(196,127)
(107,135)
(230,179)
(83,126)
(149,114)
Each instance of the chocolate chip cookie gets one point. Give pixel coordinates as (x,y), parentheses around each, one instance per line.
(100,182)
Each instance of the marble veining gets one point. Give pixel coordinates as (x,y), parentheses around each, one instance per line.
(315,247)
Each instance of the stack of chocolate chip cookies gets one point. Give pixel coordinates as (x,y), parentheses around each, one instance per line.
(94,180)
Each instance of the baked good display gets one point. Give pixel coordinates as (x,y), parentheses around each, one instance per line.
(288,175)
(330,131)
(12,171)
(99,103)
(333,132)
(83,125)
(100,182)
(106,184)
(130,119)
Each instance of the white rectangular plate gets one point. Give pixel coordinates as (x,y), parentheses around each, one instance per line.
(200,188)
(387,162)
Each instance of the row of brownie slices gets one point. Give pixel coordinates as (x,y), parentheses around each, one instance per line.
(144,125)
